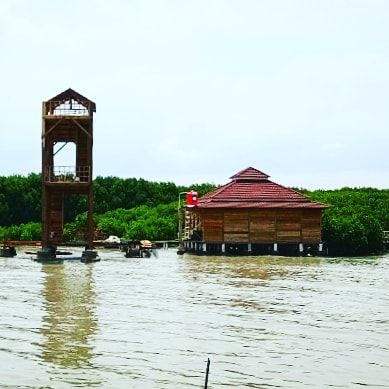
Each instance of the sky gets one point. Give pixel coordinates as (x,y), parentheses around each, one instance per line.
(193,91)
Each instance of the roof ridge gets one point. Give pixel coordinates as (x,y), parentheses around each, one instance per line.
(255,173)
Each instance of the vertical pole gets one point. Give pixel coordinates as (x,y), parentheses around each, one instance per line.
(301,248)
(275,248)
(45,233)
(90,191)
(45,214)
(180,227)
(207,374)
(249,248)
(223,248)
(90,217)
(180,220)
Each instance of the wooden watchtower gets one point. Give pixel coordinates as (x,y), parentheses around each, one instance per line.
(67,117)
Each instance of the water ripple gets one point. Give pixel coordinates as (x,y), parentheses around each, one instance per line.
(152,323)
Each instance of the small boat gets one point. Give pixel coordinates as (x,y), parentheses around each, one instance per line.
(139,249)
(7,251)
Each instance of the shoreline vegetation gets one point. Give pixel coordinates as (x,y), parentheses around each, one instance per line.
(135,208)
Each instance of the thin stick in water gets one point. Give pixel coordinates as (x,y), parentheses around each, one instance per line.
(206,374)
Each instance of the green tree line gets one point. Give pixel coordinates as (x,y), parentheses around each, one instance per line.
(136,208)
(142,222)
(130,208)
(20,197)
(355,221)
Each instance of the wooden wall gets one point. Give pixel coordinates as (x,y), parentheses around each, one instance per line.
(261,225)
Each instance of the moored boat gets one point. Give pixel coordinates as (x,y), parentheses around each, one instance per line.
(139,249)
(7,251)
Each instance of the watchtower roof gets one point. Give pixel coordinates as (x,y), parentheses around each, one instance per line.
(70,94)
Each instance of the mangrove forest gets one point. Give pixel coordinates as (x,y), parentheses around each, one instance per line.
(136,208)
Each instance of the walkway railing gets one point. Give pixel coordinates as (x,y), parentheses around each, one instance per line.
(69,108)
(68,174)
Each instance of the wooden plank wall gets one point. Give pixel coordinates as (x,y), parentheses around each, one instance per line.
(288,227)
(236,226)
(213,227)
(311,226)
(262,226)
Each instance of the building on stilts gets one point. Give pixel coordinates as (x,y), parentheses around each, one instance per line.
(252,215)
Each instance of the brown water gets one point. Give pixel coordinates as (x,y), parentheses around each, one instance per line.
(152,323)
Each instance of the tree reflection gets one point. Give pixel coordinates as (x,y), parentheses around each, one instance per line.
(69,302)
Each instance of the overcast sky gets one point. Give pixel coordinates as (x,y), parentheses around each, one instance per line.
(195,91)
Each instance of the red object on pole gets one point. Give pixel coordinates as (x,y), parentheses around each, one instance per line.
(192,199)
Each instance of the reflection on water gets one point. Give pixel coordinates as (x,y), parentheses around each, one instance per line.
(256,268)
(248,274)
(69,318)
(151,323)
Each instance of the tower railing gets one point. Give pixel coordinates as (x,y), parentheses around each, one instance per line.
(68,174)
(68,108)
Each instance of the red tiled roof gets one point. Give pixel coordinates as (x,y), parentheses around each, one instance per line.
(263,204)
(251,188)
(253,191)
